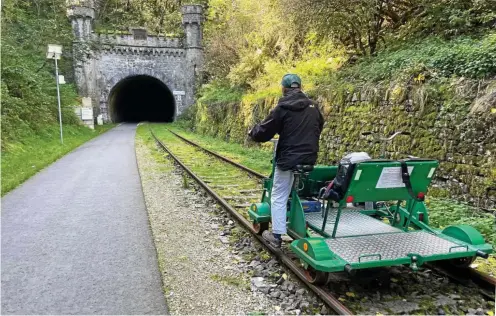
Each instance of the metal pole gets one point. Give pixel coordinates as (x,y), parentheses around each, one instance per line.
(58,98)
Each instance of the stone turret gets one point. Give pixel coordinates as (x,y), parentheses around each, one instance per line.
(192,20)
(192,23)
(82,14)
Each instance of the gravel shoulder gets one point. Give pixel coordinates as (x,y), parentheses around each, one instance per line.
(199,270)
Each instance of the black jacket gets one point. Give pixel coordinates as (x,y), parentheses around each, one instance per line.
(299,123)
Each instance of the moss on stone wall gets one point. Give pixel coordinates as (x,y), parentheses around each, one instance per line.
(437,114)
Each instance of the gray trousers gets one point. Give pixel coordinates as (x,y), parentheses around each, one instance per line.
(281,188)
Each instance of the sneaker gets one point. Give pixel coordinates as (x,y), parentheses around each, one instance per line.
(273,241)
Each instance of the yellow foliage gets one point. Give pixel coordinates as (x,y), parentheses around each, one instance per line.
(396,93)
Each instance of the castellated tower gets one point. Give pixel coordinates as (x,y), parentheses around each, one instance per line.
(192,20)
(82,13)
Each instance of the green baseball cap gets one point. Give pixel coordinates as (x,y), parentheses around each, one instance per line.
(291,81)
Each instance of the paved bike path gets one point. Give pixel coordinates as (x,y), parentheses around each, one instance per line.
(76,239)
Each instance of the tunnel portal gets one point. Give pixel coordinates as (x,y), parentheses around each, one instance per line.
(141,98)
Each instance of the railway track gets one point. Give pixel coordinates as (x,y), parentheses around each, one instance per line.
(218,193)
(235,186)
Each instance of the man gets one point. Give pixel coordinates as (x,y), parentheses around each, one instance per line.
(299,123)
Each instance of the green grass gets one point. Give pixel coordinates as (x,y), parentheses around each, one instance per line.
(251,157)
(445,212)
(237,281)
(463,56)
(23,159)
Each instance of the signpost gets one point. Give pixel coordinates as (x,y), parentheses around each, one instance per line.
(86,113)
(179,98)
(54,52)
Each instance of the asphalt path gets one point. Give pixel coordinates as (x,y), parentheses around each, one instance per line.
(76,238)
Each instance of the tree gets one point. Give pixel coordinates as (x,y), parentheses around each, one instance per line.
(357,24)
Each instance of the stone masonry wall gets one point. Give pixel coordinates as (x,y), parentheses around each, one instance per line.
(436,114)
(118,62)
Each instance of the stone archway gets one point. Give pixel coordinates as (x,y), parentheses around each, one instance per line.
(138,96)
(141,98)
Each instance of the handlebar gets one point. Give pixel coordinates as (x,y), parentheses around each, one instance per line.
(386,138)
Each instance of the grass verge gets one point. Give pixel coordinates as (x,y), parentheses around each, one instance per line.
(254,158)
(22,160)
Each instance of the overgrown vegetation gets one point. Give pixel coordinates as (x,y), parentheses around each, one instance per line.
(158,17)
(448,212)
(29,114)
(29,97)
(258,160)
(35,152)
(427,67)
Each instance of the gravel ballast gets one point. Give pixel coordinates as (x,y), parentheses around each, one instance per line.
(209,265)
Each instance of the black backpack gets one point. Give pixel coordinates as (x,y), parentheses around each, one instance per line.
(341,182)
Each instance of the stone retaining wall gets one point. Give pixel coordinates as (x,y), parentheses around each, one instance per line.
(438,115)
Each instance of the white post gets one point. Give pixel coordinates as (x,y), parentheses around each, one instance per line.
(58,99)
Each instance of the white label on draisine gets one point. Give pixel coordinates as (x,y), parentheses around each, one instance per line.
(391,178)
(431,173)
(357,176)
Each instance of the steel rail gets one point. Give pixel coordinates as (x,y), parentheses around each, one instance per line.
(250,171)
(327,297)
(485,283)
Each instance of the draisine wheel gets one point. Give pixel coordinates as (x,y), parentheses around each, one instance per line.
(260,227)
(462,263)
(316,277)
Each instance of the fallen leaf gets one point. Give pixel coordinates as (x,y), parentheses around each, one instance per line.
(394,280)
(277,308)
(342,299)
(350,294)
(284,276)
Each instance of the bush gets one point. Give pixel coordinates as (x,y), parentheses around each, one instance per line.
(464,56)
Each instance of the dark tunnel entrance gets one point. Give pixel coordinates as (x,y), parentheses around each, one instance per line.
(141,98)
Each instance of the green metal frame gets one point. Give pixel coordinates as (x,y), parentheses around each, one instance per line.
(411,212)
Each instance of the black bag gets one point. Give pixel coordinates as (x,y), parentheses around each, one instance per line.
(341,181)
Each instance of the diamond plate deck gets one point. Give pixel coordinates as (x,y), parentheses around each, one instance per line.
(351,223)
(390,246)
